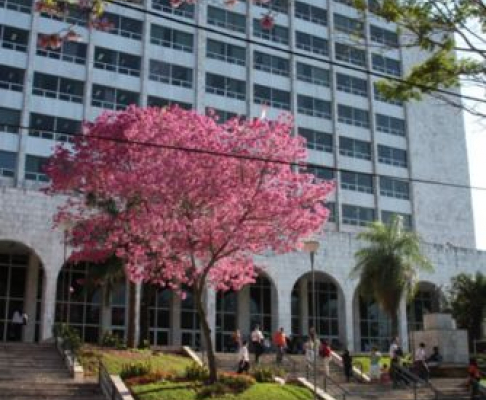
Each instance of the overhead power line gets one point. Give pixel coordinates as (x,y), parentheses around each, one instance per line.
(253,158)
(367,71)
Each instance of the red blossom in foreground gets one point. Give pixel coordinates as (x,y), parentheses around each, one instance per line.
(177,217)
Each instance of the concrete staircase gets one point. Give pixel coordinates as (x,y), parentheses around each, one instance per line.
(37,372)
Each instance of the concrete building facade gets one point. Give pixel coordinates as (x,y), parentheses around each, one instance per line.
(320,62)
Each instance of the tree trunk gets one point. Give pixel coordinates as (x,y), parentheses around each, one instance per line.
(213,372)
(133,314)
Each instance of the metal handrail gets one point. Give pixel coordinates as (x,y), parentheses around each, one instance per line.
(106,383)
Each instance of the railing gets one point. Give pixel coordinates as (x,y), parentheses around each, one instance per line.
(329,385)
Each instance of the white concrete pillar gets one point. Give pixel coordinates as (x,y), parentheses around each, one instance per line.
(348,317)
(175,321)
(48,308)
(243,315)
(211,313)
(30,297)
(403,324)
(303,306)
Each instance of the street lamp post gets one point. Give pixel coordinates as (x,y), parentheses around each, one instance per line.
(311,246)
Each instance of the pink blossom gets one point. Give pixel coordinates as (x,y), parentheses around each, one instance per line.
(267,21)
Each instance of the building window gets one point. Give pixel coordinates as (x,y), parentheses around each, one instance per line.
(270,63)
(320,173)
(311,43)
(383,36)
(386,218)
(375,326)
(11,78)
(55,87)
(160,315)
(190,326)
(386,65)
(182,10)
(74,15)
(350,54)
(111,98)
(34,168)
(391,125)
(226,19)
(357,182)
(171,74)
(226,52)
(261,305)
(380,97)
(226,320)
(393,187)
(348,25)
(153,101)
(356,215)
(272,97)
(311,74)
(316,140)
(279,6)
(310,13)
(70,51)
(327,311)
(9,120)
(426,300)
(171,38)
(224,86)
(278,34)
(14,38)
(8,163)
(332,211)
(353,116)
(314,107)
(24,6)
(221,115)
(123,26)
(354,148)
(392,156)
(53,128)
(349,3)
(111,60)
(351,84)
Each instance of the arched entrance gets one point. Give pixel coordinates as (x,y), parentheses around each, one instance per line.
(329,310)
(226,319)
(426,300)
(375,327)
(21,279)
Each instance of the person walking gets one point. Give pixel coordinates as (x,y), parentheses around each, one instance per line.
(280,342)
(257,340)
(375,358)
(311,348)
(419,364)
(347,365)
(17,324)
(244,358)
(394,348)
(325,353)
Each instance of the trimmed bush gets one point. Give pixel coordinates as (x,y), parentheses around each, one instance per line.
(135,370)
(196,372)
(237,383)
(266,374)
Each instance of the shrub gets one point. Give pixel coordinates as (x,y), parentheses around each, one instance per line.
(69,335)
(217,389)
(196,372)
(156,376)
(237,383)
(110,340)
(266,374)
(135,369)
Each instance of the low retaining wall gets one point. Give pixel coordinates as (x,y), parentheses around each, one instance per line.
(74,367)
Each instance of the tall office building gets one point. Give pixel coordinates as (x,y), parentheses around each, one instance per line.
(320,61)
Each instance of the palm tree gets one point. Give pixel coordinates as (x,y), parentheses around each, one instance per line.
(388,267)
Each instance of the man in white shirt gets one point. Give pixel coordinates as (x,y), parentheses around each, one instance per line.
(244,358)
(393,348)
(257,339)
(420,365)
(17,323)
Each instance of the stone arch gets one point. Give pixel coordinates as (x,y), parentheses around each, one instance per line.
(22,275)
(428,298)
(330,300)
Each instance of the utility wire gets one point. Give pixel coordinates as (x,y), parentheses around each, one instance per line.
(198,26)
(250,158)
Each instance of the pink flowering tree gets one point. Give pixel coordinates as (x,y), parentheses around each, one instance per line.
(186,202)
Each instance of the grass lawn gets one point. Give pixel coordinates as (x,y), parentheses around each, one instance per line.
(114,359)
(186,391)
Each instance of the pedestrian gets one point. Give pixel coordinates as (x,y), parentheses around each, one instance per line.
(243,358)
(257,340)
(347,365)
(394,348)
(435,358)
(375,358)
(17,323)
(311,348)
(394,365)
(474,379)
(325,353)
(280,342)
(419,364)
(236,337)
(385,374)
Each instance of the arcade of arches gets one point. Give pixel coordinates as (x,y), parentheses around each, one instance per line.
(168,320)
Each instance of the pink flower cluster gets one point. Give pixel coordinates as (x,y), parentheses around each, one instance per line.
(183,200)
